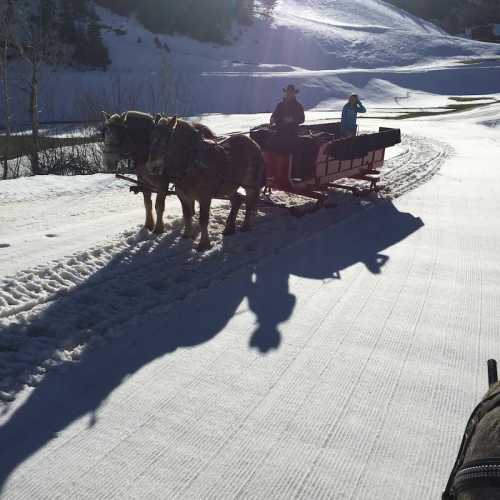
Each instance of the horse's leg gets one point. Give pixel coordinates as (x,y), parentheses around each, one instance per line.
(236,201)
(148,204)
(160,209)
(204,220)
(252,199)
(187,212)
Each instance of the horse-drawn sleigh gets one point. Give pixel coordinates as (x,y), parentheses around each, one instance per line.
(322,159)
(168,151)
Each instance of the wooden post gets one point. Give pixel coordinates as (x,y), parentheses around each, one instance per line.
(492,372)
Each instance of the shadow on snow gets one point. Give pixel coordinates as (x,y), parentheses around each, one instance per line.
(81,388)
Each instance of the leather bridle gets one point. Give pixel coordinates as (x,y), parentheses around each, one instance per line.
(166,152)
(119,147)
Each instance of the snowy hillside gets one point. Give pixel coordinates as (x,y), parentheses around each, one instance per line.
(328,48)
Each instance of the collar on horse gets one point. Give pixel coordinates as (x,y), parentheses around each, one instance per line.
(485,472)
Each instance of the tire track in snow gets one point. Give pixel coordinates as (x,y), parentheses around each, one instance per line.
(49,315)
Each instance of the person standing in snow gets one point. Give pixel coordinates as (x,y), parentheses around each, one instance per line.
(350,112)
(287,117)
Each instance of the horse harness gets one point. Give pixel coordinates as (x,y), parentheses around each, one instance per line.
(132,153)
(215,152)
(485,472)
(206,154)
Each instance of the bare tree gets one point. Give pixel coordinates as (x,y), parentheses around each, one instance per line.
(37,44)
(7,30)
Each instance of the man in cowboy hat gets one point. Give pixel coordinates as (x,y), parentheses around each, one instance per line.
(289,114)
(287,117)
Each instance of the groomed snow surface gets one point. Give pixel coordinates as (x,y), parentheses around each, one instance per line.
(334,356)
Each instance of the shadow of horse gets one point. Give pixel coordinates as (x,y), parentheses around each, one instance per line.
(156,322)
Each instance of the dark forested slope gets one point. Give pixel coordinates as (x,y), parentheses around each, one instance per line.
(207,20)
(453,15)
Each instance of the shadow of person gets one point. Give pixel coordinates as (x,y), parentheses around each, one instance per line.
(272,303)
(323,256)
(133,296)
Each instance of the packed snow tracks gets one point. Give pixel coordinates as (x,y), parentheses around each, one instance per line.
(51,314)
(418,161)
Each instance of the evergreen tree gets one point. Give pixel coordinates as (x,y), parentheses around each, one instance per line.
(48,15)
(207,20)
(96,53)
(67,27)
(122,7)
(453,15)
(80,8)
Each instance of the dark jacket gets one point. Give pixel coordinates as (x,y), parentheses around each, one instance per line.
(288,115)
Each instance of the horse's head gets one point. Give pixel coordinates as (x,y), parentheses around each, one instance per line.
(161,137)
(114,132)
(172,143)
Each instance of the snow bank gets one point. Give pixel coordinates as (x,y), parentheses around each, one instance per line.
(47,186)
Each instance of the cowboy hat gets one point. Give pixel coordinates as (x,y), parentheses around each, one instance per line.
(291,88)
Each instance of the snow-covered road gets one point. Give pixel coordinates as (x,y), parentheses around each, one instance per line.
(335,356)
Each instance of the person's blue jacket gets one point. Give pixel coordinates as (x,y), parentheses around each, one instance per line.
(350,116)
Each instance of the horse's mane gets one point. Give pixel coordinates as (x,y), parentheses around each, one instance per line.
(184,125)
(135,120)
(131,117)
(115,119)
(205,131)
(139,115)
(137,126)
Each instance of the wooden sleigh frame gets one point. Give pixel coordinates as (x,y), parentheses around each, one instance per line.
(360,158)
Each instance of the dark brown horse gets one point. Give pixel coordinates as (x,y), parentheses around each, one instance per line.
(203,170)
(476,474)
(128,136)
